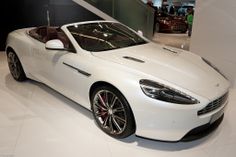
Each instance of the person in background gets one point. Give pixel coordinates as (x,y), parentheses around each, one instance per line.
(150,3)
(164,9)
(190,20)
(172,10)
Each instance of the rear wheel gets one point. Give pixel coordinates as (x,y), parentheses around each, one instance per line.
(112,112)
(15,67)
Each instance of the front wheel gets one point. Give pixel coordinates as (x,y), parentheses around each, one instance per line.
(112,112)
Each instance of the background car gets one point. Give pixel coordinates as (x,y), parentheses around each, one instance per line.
(130,84)
(170,23)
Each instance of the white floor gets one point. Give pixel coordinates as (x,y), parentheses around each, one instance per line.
(36,121)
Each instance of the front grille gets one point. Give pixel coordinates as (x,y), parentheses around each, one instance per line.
(214,104)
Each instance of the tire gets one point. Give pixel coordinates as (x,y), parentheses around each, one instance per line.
(15,67)
(112,112)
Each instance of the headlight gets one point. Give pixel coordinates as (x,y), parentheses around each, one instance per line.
(165,93)
(214,67)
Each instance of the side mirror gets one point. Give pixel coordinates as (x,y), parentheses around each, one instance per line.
(140,33)
(55,44)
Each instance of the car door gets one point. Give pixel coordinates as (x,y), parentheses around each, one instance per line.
(66,72)
(58,68)
(37,52)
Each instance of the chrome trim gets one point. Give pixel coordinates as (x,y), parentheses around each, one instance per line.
(79,71)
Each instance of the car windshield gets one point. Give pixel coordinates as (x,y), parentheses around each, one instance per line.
(104,36)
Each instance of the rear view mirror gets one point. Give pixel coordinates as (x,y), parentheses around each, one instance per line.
(55,45)
(140,33)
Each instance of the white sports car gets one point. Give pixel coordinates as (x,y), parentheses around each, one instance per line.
(130,84)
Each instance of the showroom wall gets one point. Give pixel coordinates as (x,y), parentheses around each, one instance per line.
(214,34)
(28,13)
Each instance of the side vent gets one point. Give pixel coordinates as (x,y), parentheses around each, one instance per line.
(133,59)
(167,49)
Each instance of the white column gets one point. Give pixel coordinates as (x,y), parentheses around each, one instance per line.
(214,34)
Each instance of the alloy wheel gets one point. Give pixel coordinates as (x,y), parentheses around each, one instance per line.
(13,63)
(109,112)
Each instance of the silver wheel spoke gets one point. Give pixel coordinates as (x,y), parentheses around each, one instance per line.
(120,119)
(114,101)
(100,107)
(111,125)
(14,58)
(106,99)
(116,124)
(105,121)
(120,109)
(16,73)
(102,101)
(99,114)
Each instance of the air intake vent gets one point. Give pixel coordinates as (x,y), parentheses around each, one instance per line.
(134,59)
(170,50)
(214,105)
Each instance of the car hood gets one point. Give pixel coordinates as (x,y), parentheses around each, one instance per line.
(177,67)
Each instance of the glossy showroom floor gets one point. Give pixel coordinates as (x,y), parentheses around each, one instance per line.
(36,121)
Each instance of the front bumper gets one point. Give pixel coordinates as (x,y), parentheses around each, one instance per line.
(202,131)
(171,122)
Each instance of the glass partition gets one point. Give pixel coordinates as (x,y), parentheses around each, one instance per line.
(133,13)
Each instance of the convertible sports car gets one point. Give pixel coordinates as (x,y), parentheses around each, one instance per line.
(170,24)
(130,84)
